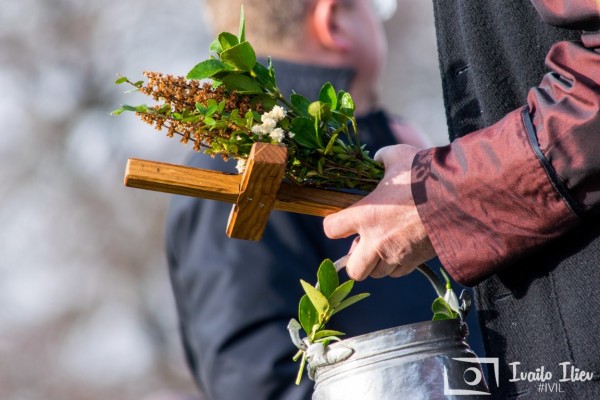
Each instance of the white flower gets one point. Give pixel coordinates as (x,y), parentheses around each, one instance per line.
(277,113)
(261,130)
(277,135)
(241,165)
(268,123)
(257,129)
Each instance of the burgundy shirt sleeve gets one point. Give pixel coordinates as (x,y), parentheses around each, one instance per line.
(503,191)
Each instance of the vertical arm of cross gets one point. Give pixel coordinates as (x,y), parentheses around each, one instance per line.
(258,191)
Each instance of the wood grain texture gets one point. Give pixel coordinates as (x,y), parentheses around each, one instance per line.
(208,184)
(258,191)
(312,201)
(177,179)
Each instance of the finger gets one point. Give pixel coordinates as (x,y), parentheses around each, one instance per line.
(354,243)
(340,224)
(362,261)
(382,269)
(401,270)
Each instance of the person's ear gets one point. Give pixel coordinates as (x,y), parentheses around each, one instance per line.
(328,27)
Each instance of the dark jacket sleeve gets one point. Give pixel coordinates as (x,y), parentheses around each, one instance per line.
(506,190)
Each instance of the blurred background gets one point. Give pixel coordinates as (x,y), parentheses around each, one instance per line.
(86,311)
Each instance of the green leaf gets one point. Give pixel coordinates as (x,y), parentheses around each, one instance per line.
(349,301)
(441,310)
(345,103)
(328,278)
(215,46)
(325,333)
(307,314)
(264,76)
(316,297)
(320,165)
(241,83)
(304,130)
(440,317)
(300,104)
(327,95)
(200,108)
(227,40)
(242,28)
(221,107)
(118,111)
(127,107)
(267,101)
(240,56)
(340,293)
(270,68)
(121,80)
(329,146)
(319,110)
(211,107)
(207,68)
(193,118)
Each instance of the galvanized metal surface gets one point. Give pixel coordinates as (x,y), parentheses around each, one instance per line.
(415,362)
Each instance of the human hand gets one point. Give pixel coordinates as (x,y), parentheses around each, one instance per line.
(392,239)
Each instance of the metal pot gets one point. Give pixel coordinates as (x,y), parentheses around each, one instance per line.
(427,360)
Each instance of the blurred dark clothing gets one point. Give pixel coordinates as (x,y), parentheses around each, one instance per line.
(235,298)
(512,205)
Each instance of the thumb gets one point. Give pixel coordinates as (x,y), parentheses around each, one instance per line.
(391,154)
(383,154)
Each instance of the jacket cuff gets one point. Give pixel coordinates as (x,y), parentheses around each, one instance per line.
(486,200)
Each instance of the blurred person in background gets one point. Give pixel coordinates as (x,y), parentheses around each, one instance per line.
(234,297)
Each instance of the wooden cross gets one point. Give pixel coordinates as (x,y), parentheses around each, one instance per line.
(254,193)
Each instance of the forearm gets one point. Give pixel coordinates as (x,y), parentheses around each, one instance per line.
(508,189)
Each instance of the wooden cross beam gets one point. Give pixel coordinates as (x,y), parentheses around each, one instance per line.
(254,193)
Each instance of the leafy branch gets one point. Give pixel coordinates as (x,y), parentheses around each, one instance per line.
(316,307)
(229,101)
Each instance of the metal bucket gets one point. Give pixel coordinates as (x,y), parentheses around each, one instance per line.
(427,360)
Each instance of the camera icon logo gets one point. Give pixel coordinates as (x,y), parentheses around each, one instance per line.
(476,379)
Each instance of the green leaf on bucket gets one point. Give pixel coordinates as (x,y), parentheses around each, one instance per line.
(307,314)
(328,333)
(317,306)
(340,293)
(328,278)
(316,297)
(441,310)
(349,301)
